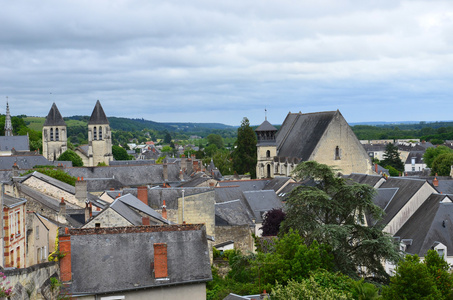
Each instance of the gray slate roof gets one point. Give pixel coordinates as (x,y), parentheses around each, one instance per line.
(431,223)
(18,142)
(276,183)
(26,162)
(54,117)
(245,185)
(299,127)
(418,155)
(266,126)
(261,202)
(370,180)
(98,115)
(125,264)
(232,213)
(128,206)
(444,186)
(11,202)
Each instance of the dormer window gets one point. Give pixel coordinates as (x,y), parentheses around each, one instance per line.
(337,153)
(95,133)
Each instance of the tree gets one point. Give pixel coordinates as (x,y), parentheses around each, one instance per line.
(392,158)
(167,138)
(215,139)
(433,152)
(70,155)
(244,154)
(271,222)
(412,281)
(332,212)
(442,164)
(120,153)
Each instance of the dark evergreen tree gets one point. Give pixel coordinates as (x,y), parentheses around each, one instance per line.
(244,154)
(332,212)
(271,222)
(392,158)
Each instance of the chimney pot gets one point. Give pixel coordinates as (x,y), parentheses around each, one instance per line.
(160,260)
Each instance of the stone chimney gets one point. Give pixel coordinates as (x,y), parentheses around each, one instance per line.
(160,260)
(165,171)
(62,211)
(195,165)
(15,170)
(164,211)
(81,190)
(436,181)
(183,162)
(211,184)
(87,212)
(181,175)
(142,194)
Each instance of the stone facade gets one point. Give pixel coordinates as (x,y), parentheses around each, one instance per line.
(99,145)
(241,235)
(14,251)
(198,209)
(108,218)
(37,240)
(54,141)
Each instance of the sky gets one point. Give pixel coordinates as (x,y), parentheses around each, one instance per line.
(220,61)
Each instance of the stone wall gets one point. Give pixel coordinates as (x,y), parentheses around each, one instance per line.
(108,218)
(241,235)
(52,191)
(33,282)
(198,209)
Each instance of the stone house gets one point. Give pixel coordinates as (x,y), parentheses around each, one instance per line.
(146,262)
(14,239)
(324,137)
(38,239)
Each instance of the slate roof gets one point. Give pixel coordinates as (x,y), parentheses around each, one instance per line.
(54,117)
(407,187)
(18,142)
(444,186)
(431,223)
(266,126)
(298,127)
(261,202)
(370,180)
(128,206)
(232,212)
(98,115)
(418,155)
(245,185)
(12,202)
(27,162)
(126,262)
(276,183)
(195,181)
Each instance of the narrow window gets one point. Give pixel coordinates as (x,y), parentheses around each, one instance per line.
(37,232)
(57,135)
(51,134)
(337,153)
(268,153)
(100,132)
(95,133)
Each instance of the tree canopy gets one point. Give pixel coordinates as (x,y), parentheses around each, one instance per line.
(442,164)
(433,152)
(244,154)
(70,155)
(120,153)
(215,139)
(332,212)
(392,158)
(272,221)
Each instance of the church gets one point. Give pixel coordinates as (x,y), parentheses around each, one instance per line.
(324,137)
(99,148)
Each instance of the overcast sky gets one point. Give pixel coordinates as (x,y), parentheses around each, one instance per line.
(220,61)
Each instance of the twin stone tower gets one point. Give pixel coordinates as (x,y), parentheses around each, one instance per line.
(99,148)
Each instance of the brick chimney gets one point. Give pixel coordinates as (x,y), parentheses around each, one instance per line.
(160,260)
(142,194)
(376,168)
(165,171)
(164,210)
(81,189)
(436,181)
(91,210)
(195,165)
(145,221)
(60,167)
(65,262)
(211,184)
(183,162)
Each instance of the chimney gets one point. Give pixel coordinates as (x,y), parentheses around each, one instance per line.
(435,181)
(195,165)
(376,168)
(181,175)
(91,210)
(87,212)
(164,211)
(62,211)
(211,184)
(64,244)
(142,194)
(145,221)
(15,170)
(165,170)
(81,190)
(160,260)
(60,167)
(183,162)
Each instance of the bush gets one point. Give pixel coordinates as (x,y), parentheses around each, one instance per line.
(70,155)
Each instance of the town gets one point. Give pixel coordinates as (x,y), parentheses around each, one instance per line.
(312,210)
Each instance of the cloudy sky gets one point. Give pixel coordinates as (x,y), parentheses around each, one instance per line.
(220,61)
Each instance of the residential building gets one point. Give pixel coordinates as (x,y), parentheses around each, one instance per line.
(14,239)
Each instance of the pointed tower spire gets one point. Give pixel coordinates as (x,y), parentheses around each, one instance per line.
(98,116)
(54,117)
(8,124)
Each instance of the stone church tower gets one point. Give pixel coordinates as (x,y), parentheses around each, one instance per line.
(266,149)
(99,138)
(54,135)
(8,124)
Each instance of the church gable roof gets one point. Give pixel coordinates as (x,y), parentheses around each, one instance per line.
(54,117)
(300,133)
(266,126)
(98,116)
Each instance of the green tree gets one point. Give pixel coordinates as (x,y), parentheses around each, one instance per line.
(70,155)
(440,272)
(442,164)
(244,154)
(332,212)
(392,158)
(412,281)
(167,138)
(433,152)
(120,153)
(215,139)
(51,171)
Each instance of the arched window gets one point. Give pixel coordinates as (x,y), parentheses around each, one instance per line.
(100,132)
(268,171)
(268,153)
(51,134)
(337,153)
(57,135)
(95,133)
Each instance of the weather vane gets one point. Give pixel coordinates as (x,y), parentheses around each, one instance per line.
(265,113)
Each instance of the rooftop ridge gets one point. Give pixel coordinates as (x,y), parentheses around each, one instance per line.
(132,229)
